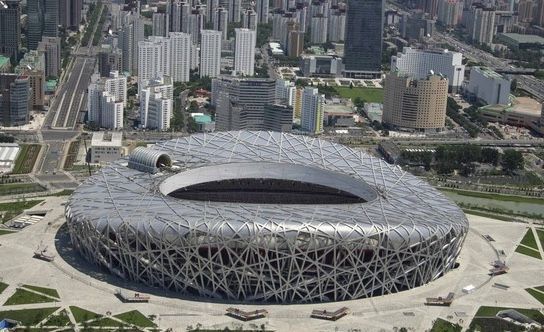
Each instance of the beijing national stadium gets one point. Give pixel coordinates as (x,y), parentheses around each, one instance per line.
(265,217)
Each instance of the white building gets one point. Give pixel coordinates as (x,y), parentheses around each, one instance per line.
(160,25)
(318,30)
(285,92)
(487,85)
(107,98)
(165,56)
(156,104)
(210,53)
(106,147)
(8,155)
(244,56)
(418,64)
(220,21)
(312,110)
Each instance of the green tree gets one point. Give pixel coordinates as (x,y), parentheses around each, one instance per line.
(512,160)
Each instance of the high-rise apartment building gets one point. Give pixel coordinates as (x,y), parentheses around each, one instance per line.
(249,19)
(262,11)
(211,7)
(165,56)
(480,23)
(106,100)
(419,63)
(210,53)
(220,21)
(195,25)
(336,27)
(130,35)
(234,8)
(10,28)
(109,59)
(239,102)
(318,29)
(160,25)
(450,12)
(244,54)
(416,104)
(156,104)
(362,56)
(311,118)
(526,9)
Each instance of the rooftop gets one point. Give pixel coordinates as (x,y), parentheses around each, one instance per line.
(529,39)
(107,139)
(487,72)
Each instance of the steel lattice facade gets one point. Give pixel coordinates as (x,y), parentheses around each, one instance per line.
(404,235)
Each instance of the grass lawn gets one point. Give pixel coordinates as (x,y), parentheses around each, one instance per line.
(3,287)
(498,197)
(441,325)
(26,158)
(19,188)
(540,234)
(106,322)
(28,316)
(536,294)
(22,296)
(47,291)
(370,95)
(81,315)
(4,232)
(135,317)
(61,319)
(487,215)
(492,324)
(529,239)
(540,288)
(492,311)
(12,209)
(528,252)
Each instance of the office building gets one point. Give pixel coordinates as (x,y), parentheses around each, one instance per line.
(278,117)
(106,147)
(156,104)
(70,13)
(415,104)
(106,101)
(419,63)
(239,102)
(50,46)
(32,65)
(210,53)
(10,28)
(321,65)
(362,56)
(262,11)
(220,21)
(450,12)
(234,9)
(488,86)
(244,54)
(311,119)
(318,29)
(15,99)
(42,21)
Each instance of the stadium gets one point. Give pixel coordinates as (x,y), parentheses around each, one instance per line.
(264,217)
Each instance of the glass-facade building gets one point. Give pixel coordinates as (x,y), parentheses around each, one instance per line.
(364,35)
